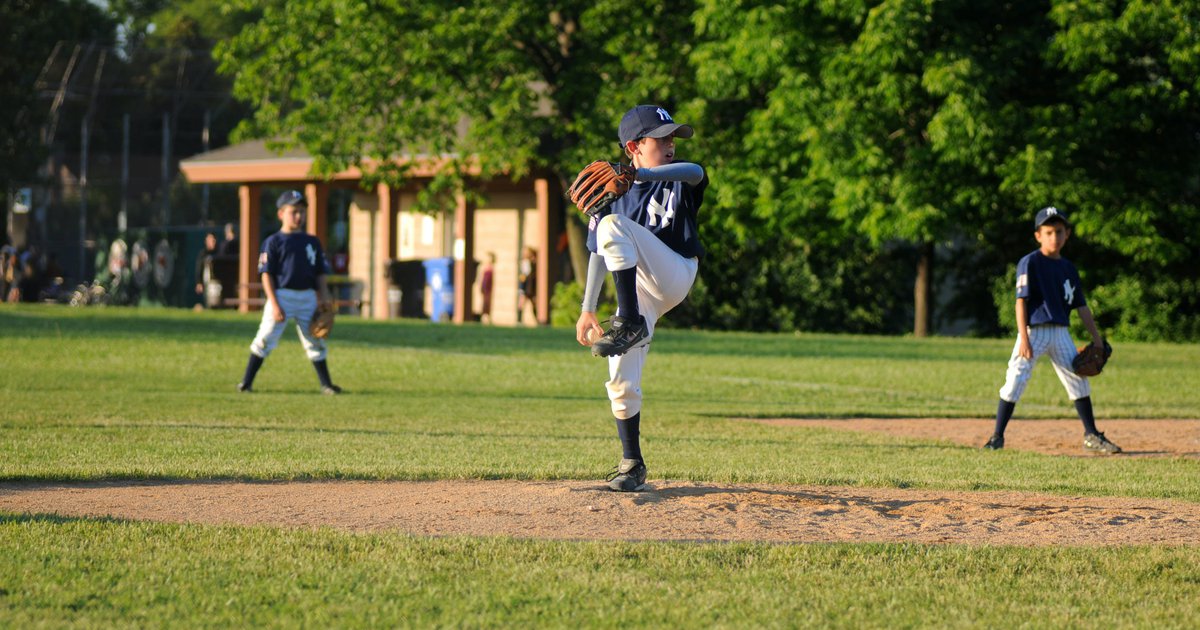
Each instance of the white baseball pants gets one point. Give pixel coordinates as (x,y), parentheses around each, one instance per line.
(663,281)
(297,306)
(1056,342)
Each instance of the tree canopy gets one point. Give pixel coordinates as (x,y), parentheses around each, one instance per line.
(850,144)
(510,87)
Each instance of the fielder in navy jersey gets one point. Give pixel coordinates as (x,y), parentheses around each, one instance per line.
(293,268)
(649,240)
(1048,289)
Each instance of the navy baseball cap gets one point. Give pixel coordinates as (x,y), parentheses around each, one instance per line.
(1047,213)
(291,198)
(650,121)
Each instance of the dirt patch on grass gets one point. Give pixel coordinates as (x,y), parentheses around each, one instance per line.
(666,510)
(1137,438)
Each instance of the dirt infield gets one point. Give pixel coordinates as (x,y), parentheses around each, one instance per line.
(676,510)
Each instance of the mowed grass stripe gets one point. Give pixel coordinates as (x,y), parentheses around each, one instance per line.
(87,572)
(128,393)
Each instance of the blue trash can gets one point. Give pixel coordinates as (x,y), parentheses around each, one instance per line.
(440,282)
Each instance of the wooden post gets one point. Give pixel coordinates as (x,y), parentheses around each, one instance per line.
(464,259)
(249,196)
(384,243)
(317,219)
(546,255)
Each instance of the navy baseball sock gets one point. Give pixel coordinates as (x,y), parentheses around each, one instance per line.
(252,366)
(1004,412)
(625,281)
(629,432)
(323,372)
(1084,407)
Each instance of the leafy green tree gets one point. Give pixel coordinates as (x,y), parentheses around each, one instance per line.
(845,140)
(863,125)
(1114,140)
(782,262)
(860,127)
(911,116)
(510,87)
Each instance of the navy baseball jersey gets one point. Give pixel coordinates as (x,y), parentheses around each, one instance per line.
(1051,288)
(294,259)
(668,209)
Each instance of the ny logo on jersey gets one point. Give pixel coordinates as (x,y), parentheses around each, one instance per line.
(663,115)
(661,213)
(1068,292)
(312,255)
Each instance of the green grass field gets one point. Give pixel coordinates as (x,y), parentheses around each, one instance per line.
(148,394)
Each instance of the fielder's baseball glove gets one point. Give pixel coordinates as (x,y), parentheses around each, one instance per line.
(322,320)
(1090,360)
(599,185)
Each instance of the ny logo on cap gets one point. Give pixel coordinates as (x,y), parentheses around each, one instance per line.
(1051,211)
(663,115)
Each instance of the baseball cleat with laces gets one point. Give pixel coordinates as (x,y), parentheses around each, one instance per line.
(623,336)
(628,476)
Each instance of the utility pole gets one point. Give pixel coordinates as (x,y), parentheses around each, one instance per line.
(83,175)
(204,188)
(166,170)
(83,166)
(123,215)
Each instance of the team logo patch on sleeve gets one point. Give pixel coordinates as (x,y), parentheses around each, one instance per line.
(1022,280)
(262,258)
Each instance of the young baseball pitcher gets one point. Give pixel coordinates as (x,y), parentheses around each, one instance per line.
(293,268)
(648,239)
(1048,289)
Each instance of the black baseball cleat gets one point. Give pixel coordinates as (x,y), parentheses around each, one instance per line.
(995,443)
(244,388)
(623,336)
(331,390)
(1097,443)
(628,476)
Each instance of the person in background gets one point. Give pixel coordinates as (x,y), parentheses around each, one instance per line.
(486,284)
(202,260)
(229,247)
(7,261)
(527,284)
(293,270)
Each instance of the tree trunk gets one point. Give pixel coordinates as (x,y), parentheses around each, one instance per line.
(923,293)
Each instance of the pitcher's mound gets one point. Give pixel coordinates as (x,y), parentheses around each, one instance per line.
(666,510)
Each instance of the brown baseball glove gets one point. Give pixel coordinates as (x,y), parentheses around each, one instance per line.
(600,184)
(322,320)
(1091,360)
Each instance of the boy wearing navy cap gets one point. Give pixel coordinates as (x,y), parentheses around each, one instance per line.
(1048,289)
(649,240)
(293,268)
